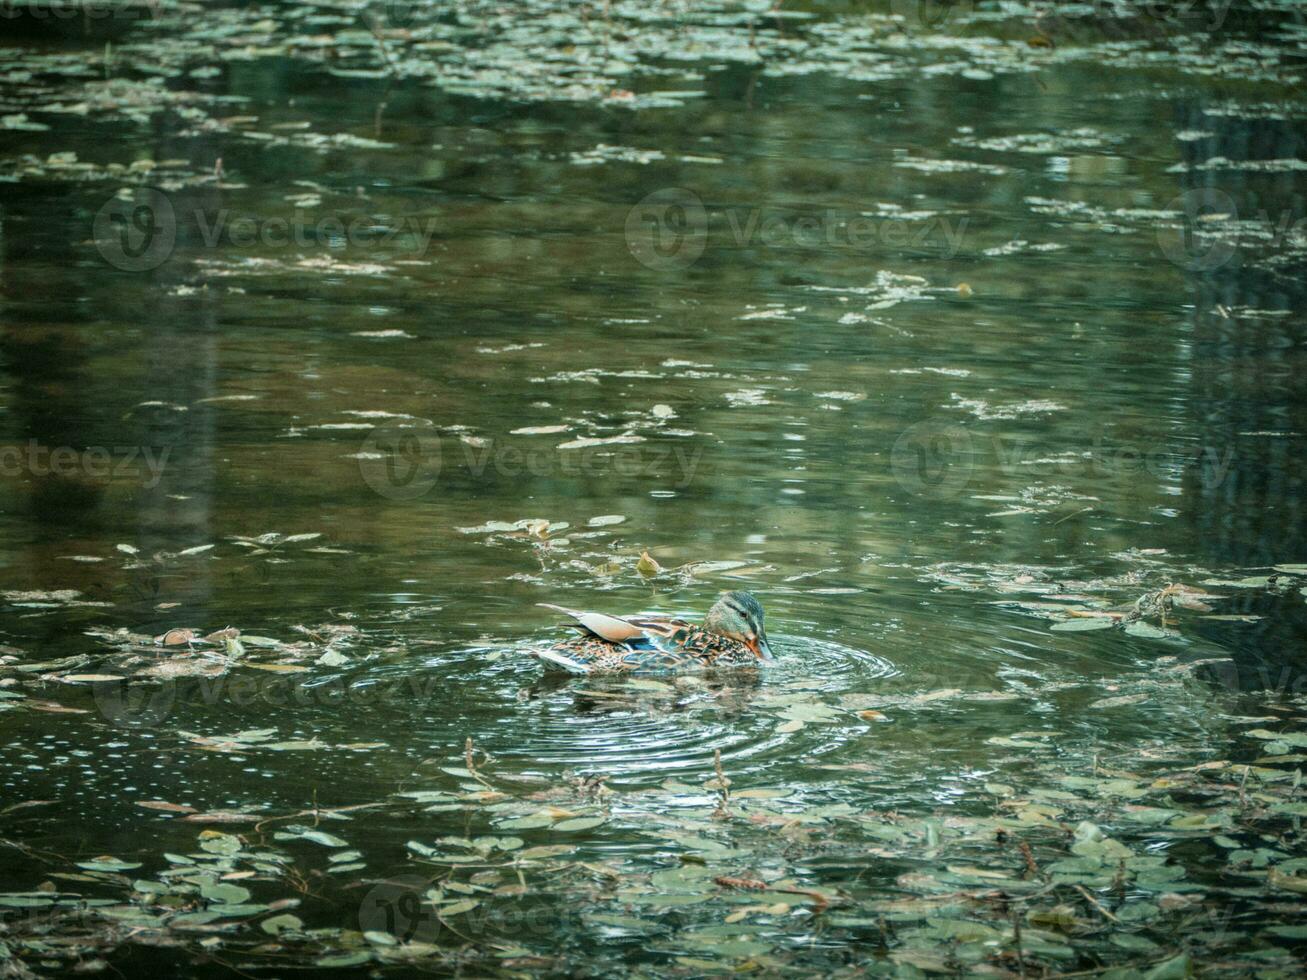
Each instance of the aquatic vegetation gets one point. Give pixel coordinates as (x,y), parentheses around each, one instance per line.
(1045,868)
(1013,473)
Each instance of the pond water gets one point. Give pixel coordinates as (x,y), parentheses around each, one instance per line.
(956,334)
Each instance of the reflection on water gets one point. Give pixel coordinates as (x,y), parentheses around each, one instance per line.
(924,337)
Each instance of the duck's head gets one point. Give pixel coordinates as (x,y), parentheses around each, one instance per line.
(738,615)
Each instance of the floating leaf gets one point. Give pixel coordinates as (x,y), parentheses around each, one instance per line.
(1286,882)
(1288,932)
(1147,630)
(219,843)
(339,960)
(25,900)
(1295,739)
(1083,625)
(1252,582)
(457,908)
(278,924)
(167,807)
(316,836)
(579,823)
(90,678)
(225,893)
(623,922)
(295,745)
(1117,702)
(1176,968)
(527,823)
(108,863)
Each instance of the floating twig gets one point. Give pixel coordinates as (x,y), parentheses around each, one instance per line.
(1089,897)
(1016,940)
(1032,868)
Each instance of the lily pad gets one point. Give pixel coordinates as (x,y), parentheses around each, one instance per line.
(278,924)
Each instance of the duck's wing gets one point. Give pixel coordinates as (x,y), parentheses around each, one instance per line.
(605,627)
(656,628)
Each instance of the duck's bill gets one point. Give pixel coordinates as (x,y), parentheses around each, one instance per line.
(761,648)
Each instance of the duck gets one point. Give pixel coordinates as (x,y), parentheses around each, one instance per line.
(732,635)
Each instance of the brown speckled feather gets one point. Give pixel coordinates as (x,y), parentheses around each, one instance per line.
(675,646)
(732,635)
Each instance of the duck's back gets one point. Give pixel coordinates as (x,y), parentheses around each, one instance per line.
(665,646)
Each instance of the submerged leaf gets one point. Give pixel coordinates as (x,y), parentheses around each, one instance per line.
(1083,625)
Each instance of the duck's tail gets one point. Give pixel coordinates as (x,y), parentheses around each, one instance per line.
(558,660)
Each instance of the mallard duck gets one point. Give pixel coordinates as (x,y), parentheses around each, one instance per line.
(732,635)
